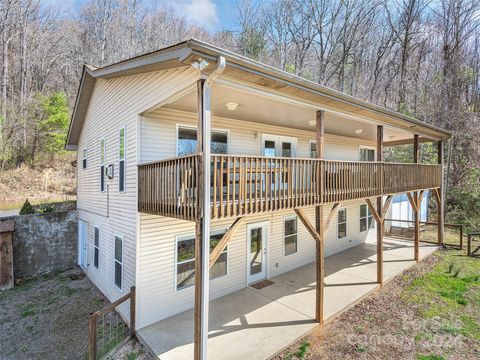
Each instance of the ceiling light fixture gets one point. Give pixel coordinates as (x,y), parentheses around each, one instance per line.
(358,131)
(232,106)
(312,122)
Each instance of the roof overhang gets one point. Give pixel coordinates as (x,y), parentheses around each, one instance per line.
(242,69)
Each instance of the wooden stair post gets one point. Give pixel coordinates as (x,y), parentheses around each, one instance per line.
(416,215)
(440,200)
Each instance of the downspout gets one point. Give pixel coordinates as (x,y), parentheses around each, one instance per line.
(206,135)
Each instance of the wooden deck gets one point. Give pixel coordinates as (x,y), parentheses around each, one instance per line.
(242,185)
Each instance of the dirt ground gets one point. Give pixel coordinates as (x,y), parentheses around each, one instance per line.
(47,317)
(396,323)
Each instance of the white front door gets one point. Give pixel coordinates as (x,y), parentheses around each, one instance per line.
(82,243)
(257,251)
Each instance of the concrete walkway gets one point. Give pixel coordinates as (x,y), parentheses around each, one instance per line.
(255,324)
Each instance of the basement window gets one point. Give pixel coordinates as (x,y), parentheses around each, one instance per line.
(342,224)
(96,246)
(118,261)
(290,235)
(84,158)
(185,260)
(366,218)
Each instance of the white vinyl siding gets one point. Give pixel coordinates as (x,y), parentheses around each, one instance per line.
(117,103)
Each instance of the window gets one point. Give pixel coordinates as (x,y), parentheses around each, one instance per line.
(269,148)
(102,164)
(313,149)
(185,261)
(290,232)
(118,261)
(366,218)
(342,223)
(96,246)
(187,141)
(367,154)
(121,161)
(84,159)
(286,149)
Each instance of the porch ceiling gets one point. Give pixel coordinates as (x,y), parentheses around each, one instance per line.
(261,108)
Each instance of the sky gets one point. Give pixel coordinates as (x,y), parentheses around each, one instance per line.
(214,15)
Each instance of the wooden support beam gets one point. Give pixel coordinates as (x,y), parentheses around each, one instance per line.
(386,205)
(440,200)
(222,244)
(320,251)
(331,217)
(310,228)
(412,200)
(416,214)
(373,210)
(380,223)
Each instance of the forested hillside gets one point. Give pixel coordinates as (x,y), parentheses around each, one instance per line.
(419,57)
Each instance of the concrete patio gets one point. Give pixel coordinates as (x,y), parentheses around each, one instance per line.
(255,324)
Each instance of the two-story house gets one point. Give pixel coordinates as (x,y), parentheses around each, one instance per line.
(218,186)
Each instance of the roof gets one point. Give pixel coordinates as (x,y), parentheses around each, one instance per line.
(245,69)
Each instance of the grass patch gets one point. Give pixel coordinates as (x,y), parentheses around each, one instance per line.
(444,289)
(300,353)
(27,310)
(68,291)
(430,357)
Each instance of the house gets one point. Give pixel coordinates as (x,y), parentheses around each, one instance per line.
(195,160)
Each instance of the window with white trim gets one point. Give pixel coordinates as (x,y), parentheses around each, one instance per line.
(84,158)
(367,154)
(187,141)
(121,161)
(290,226)
(366,218)
(96,246)
(342,224)
(118,261)
(102,164)
(185,260)
(313,149)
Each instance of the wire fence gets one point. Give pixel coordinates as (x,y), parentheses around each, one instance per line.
(107,329)
(453,233)
(473,244)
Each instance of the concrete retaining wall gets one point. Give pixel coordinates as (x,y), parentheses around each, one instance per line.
(44,243)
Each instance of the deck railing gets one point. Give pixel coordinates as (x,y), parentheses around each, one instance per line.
(252,184)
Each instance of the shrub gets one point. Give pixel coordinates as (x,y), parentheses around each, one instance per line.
(27,208)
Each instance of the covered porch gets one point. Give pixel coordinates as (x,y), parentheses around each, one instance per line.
(257,323)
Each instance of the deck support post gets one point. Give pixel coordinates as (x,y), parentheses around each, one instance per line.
(380,223)
(440,199)
(202,229)
(416,215)
(319,226)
